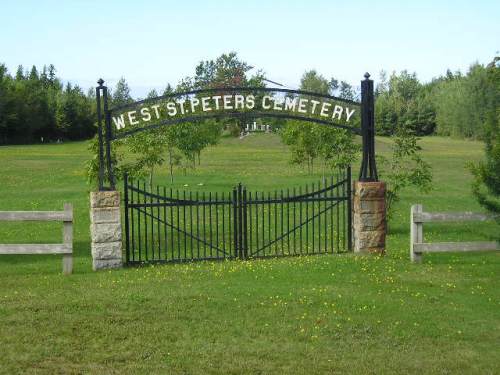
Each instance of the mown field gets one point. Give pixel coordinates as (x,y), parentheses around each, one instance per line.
(305,315)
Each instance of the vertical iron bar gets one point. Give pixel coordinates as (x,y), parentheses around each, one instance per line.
(184,209)
(132,220)
(332,232)
(324,230)
(216,224)
(158,218)
(368,166)
(127,234)
(307,219)
(288,221)
(191,251)
(178,228)
(240,222)
(256,221)
(338,213)
(235,222)
(223,205)
(204,230)
(165,227)
(263,206)
(349,209)
(281,220)
(172,242)
(294,222)
(107,119)
(300,220)
(245,226)
(268,221)
(210,220)
(313,218)
(151,213)
(197,225)
(145,222)
(139,232)
(250,220)
(99,134)
(275,223)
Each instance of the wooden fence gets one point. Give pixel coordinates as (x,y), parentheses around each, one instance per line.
(418,218)
(65,248)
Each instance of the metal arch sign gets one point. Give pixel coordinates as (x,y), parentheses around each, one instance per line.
(252,102)
(236,102)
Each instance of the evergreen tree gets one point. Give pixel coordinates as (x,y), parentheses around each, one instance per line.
(20,73)
(121,93)
(33,74)
(486,186)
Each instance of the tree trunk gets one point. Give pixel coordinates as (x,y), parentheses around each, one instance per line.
(171,163)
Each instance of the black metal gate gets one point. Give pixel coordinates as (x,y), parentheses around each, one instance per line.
(171,226)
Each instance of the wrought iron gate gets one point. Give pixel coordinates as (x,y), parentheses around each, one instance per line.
(164,225)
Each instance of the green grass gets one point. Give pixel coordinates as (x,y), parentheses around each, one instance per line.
(320,314)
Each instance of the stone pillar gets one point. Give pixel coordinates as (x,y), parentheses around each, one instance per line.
(105,229)
(369,222)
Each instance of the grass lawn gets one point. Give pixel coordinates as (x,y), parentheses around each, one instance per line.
(306,315)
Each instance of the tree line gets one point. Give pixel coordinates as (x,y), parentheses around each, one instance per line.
(36,107)
(454,104)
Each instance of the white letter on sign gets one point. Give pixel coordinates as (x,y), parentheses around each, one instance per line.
(205,104)
(250,101)
(227,102)
(302,105)
(337,110)
(324,109)
(217,99)
(264,99)
(194,103)
(315,103)
(131,117)
(146,116)
(349,114)
(290,104)
(239,102)
(157,113)
(119,122)
(172,111)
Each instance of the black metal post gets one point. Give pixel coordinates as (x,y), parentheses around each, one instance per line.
(99,133)
(240,221)
(245,224)
(127,243)
(368,167)
(107,119)
(349,209)
(235,223)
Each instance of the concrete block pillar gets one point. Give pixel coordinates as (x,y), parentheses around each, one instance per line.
(105,229)
(369,217)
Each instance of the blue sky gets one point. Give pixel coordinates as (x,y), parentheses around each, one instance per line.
(152,43)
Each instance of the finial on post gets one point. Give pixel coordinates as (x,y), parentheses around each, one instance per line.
(367,75)
(100,82)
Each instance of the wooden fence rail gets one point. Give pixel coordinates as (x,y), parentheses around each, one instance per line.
(65,248)
(417,245)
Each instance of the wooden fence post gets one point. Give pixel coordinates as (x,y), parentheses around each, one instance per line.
(67,261)
(416,235)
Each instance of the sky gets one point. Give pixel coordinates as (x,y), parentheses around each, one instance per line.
(152,43)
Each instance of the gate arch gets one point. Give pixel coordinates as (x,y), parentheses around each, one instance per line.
(236,102)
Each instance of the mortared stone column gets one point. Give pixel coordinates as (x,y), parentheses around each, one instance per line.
(105,229)
(369,217)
